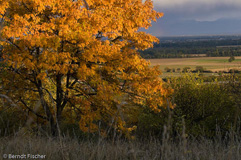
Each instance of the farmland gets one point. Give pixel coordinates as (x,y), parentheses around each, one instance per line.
(213,64)
(186,47)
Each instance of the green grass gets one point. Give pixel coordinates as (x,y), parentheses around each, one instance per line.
(216,61)
(177,74)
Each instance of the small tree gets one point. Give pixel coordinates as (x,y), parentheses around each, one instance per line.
(231,59)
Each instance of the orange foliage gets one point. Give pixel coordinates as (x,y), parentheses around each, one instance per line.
(80,58)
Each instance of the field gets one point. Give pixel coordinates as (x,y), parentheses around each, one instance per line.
(209,63)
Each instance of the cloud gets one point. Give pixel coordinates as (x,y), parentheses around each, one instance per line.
(200,10)
(196,3)
(197,17)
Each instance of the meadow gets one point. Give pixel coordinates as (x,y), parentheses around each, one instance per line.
(213,64)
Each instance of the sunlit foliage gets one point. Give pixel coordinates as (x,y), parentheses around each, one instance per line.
(79,59)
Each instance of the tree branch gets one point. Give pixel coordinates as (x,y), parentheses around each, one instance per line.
(119,37)
(40,116)
(86,5)
(49,94)
(10,101)
(9,40)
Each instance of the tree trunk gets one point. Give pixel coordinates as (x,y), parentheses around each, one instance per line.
(59,100)
(53,126)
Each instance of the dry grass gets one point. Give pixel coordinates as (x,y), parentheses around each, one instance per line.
(73,149)
(166,148)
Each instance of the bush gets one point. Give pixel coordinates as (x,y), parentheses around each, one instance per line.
(186,69)
(10,120)
(167,69)
(151,123)
(200,69)
(233,71)
(204,105)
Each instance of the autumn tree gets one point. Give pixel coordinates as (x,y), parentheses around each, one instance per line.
(79,59)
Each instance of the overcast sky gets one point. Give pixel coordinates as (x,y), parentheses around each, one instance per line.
(197,17)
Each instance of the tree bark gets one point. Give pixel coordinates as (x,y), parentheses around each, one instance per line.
(59,100)
(53,127)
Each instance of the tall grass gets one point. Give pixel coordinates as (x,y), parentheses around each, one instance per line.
(66,148)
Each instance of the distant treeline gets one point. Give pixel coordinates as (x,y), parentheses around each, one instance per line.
(182,48)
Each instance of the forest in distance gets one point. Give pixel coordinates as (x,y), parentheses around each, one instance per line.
(195,46)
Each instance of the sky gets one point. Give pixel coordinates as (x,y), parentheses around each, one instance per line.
(197,17)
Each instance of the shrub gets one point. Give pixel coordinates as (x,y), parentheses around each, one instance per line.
(205,105)
(186,69)
(10,120)
(200,69)
(167,69)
